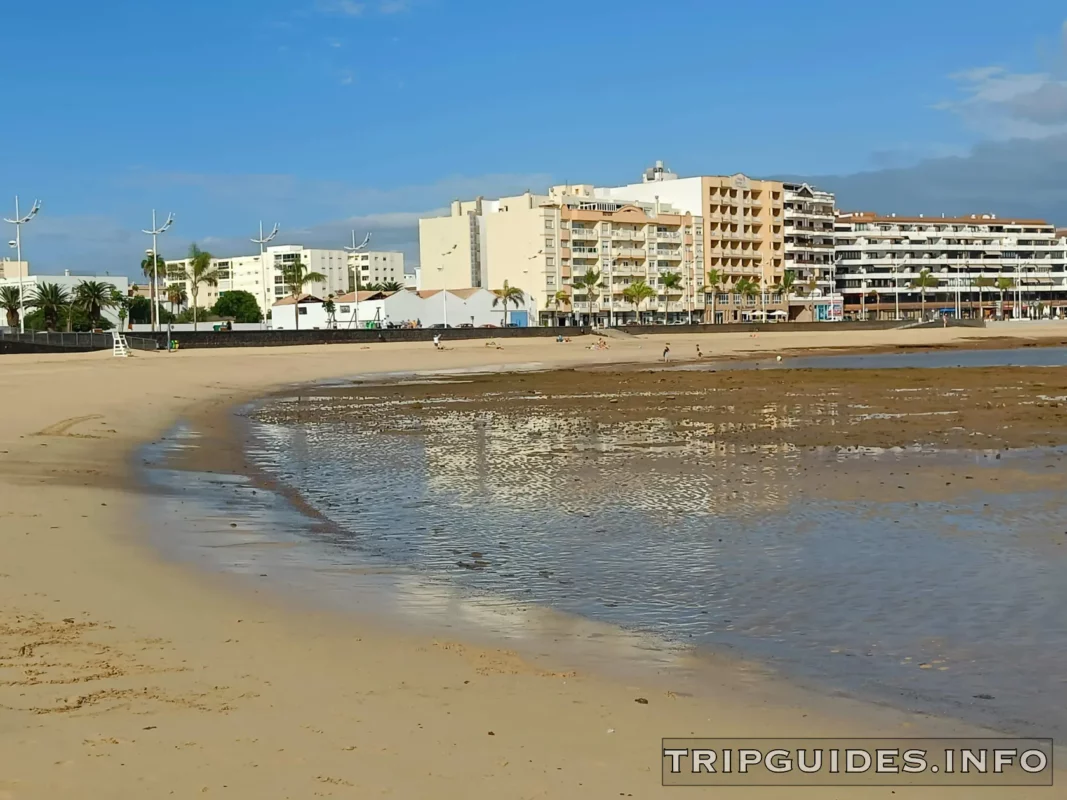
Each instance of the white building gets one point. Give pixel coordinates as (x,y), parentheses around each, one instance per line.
(469,307)
(376,267)
(809,238)
(266,281)
(1019,263)
(70,283)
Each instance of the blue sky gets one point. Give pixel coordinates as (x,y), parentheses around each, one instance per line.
(325,115)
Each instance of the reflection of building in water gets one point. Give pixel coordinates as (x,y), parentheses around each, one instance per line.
(580,465)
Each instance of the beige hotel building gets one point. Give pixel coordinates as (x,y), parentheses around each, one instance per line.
(733,225)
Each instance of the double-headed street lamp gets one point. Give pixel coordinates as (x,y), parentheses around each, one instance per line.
(154,233)
(355,248)
(262,240)
(18,222)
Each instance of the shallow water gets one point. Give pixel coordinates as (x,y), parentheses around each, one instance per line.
(952,606)
(933,359)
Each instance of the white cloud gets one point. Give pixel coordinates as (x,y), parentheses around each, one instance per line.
(1004,104)
(394,6)
(343,8)
(347,77)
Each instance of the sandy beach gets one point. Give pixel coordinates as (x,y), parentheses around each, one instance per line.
(125,675)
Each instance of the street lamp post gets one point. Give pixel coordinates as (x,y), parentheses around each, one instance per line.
(863,294)
(262,240)
(155,233)
(355,271)
(18,221)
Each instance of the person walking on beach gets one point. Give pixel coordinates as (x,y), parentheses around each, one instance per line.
(437,341)
(667,352)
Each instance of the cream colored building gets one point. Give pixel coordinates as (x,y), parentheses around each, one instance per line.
(451,249)
(741,234)
(10,268)
(541,243)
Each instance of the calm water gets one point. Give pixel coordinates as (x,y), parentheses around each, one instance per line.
(954,606)
(934,359)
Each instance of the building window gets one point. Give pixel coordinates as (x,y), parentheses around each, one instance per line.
(550,244)
(302,310)
(549,225)
(550,261)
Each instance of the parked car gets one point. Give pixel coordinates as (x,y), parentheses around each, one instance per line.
(465,325)
(489,325)
(513,324)
(440,325)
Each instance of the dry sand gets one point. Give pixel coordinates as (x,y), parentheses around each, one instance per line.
(123,676)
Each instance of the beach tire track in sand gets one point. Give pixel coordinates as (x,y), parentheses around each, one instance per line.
(62,428)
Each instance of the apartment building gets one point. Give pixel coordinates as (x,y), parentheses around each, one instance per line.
(10,268)
(451,248)
(375,267)
(1017,267)
(741,238)
(266,281)
(542,243)
(809,239)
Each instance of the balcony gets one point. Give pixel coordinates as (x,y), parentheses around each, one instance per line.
(584,233)
(628,252)
(673,255)
(585,252)
(631,236)
(672,235)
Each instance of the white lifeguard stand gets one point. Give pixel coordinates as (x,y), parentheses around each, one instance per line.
(119,348)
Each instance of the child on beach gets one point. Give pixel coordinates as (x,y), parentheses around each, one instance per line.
(437,341)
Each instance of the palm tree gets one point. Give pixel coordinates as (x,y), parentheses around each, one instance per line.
(509,294)
(560,298)
(1003,285)
(296,276)
(812,285)
(983,283)
(636,293)
(590,285)
(785,284)
(671,282)
(160,265)
(9,302)
(746,288)
(176,296)
(201,270)
(716,279)
(392,286)
(51,300)
(93,297)
(923,281)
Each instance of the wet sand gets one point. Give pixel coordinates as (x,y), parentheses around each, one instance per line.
(124,675)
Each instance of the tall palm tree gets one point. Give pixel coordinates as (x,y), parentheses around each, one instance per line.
(51,300)
(9,302)
(147,264)
(176,296)
(671,282)
(746,288)
(560,298)
(93,297)
(509,294)
(589,284)
(784,285)
(295,275)
(716,281)
(636,293)
(812,285)
(983,283)
(200,271)
(923,281)
(1003,285)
